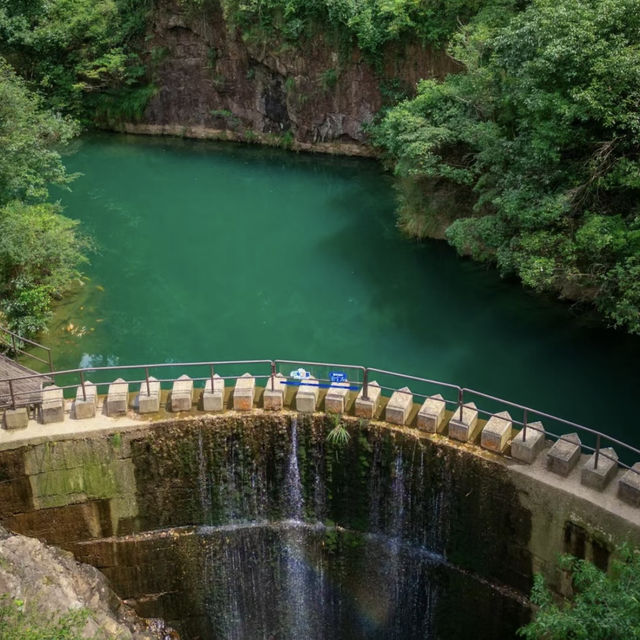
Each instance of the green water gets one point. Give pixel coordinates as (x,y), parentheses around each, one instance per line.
(209,251)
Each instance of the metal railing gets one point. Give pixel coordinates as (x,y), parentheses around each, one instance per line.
(15,342)
(455,397)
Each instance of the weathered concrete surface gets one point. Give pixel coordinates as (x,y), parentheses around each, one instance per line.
(307,395)
(16,418)
(149,396)
(497,432)
(367,407)
(86,401)
(431,415)
(464,426)
(244,392)
(334,401)
(629,486)
(213,394)
(52,407)
(117,401)
(598,477)
(399,406)
(51,583)
(564,454)
(274,393)
(527,450)
(182,394)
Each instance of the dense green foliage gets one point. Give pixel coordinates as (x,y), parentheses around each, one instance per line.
(19,623)
(39,248)
(79,54)
(369,24)
(542,132)
(605,606)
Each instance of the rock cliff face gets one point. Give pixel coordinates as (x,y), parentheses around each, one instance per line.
(213,83)
(50,583)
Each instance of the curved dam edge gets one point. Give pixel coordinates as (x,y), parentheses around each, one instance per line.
(71,482)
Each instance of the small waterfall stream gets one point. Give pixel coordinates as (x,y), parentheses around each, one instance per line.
(268,573)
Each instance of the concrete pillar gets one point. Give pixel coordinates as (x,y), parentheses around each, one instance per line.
(52,406)
(149,400)
(86,403)
(564,454)
(182,394)
(399,406)
(629,486)
(273,399)
(16,418)
(607,466)
(497,432)
(431,415)
(527,450)
(464,428)
(366,407)
(118,397)
(334,401)
(307,395)
(213,394)
(244,392)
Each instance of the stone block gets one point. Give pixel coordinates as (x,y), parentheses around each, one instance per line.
(149,399)
(118,397)
(273,399)
(244,392)
(528,450)
(307,395)
(86,402)
(564,454)
(213,394)
(598,478)
(366,407)
(16,418)
(182,394)
(497,432)
(431,415)
(399,406)
(629,486)
(52,407)
(334,401)
(464,428)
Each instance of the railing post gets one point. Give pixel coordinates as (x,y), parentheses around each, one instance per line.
(365,384)
(13,343)
(595,460)
(146,377)
(211,374)
(50,361)
(460,402)
(273,374)
(524,426)
(13,397)
(84,391)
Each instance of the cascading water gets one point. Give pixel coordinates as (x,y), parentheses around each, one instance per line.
(278,568)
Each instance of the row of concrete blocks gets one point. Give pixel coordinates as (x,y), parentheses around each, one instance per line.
(464,425)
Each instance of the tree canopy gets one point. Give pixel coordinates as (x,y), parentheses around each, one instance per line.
(542,129)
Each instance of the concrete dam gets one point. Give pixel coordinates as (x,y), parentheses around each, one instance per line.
(215,499)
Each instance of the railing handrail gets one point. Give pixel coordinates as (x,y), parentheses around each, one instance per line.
(366,371)
(20,339)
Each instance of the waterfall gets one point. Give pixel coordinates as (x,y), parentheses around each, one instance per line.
(203,483)
(298,576)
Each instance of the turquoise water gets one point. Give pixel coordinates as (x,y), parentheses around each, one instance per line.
(209,251)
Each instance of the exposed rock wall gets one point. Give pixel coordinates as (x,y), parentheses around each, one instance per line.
(50,583)
(213,83)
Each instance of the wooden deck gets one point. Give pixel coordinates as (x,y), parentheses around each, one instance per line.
(26,392)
